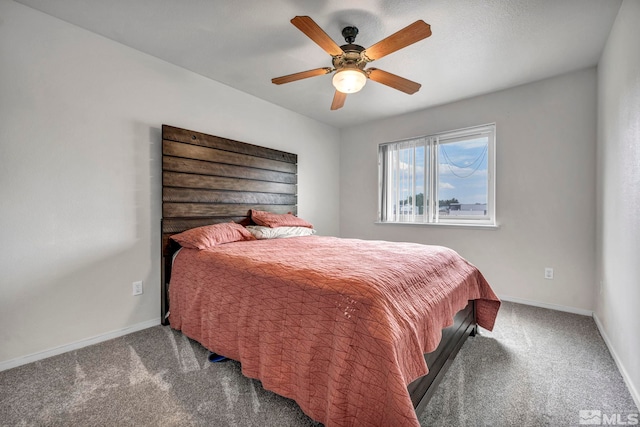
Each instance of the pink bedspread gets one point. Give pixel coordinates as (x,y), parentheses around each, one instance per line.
(338,325)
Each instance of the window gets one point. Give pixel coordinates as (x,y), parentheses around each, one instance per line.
(446,178)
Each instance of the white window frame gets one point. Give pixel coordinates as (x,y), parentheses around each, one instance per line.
(432,144)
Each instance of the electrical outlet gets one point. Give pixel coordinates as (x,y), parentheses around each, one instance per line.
(548,273)
(137,288)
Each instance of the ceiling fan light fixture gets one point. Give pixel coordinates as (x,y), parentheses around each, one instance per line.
(350,80)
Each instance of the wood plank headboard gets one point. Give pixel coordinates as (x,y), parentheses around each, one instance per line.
(207,179)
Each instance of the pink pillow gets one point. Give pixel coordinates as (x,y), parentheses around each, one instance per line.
(268,219)
(211,235)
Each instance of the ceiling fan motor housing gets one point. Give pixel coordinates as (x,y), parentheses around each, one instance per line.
(351,57)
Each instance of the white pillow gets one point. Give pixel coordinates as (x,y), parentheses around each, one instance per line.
(261,232)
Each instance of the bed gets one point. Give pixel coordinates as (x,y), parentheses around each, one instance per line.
(335,324)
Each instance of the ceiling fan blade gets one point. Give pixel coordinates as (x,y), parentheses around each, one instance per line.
(317,34)
(393,81)
(408,35)
(338,100)
(301,75)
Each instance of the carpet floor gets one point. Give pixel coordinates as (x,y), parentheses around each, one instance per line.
(537,368)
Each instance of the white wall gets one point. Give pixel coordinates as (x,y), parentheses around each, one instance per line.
(618,224)
(80,120)
(546,151)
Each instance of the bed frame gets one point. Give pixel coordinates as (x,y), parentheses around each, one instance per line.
(208,180)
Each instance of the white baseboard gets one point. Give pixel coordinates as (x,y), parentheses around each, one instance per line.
(635,394)
(23,360)
(556,307)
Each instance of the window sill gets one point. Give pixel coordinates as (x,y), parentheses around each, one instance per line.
(442,224)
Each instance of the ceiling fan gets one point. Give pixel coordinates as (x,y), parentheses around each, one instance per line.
(349,60)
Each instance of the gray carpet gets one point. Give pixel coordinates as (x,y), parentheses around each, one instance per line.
(539,367)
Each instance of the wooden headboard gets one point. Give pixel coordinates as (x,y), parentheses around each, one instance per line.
(208,180)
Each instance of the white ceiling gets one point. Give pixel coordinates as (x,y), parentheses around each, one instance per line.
(477,46)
